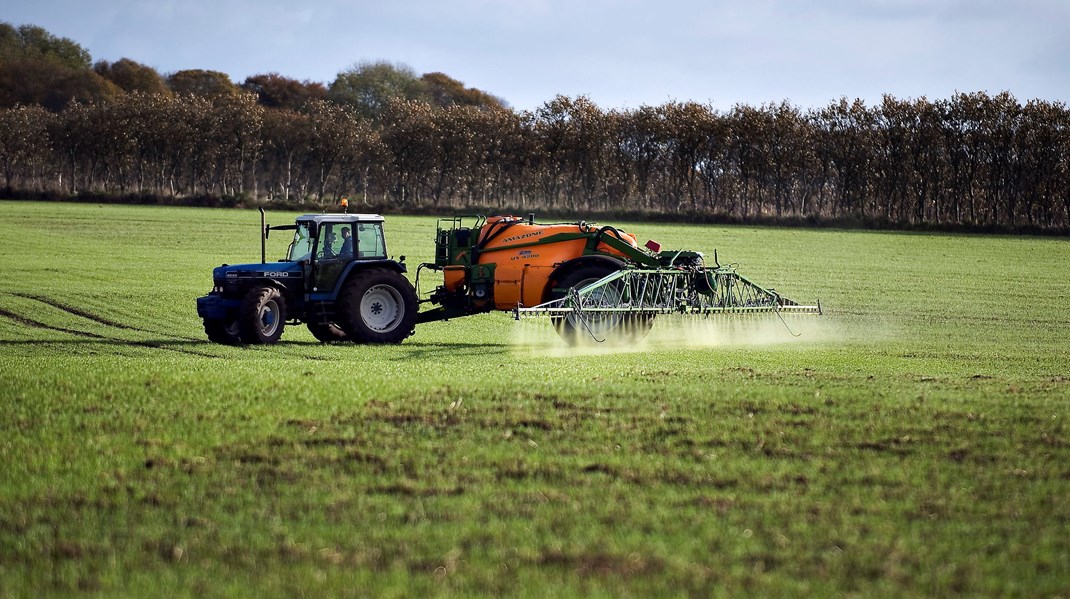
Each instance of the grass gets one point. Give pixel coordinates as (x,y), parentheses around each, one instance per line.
(913,441)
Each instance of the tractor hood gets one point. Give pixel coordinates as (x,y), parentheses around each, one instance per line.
(269,270)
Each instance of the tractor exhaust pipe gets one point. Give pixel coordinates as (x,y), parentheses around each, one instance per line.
(263,236)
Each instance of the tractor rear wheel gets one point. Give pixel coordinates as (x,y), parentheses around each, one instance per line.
(222,331)
(613,328)
(262,316)
(326,332)
(377,306)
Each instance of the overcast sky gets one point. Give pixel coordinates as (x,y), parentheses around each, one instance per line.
(620,53)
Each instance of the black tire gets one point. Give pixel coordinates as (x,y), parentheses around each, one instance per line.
(222,331)
(377,306)
(327,333)
(613,329)
(262,316)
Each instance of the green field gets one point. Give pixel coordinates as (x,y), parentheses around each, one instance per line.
(913,441)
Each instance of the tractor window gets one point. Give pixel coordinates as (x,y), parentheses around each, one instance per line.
(301,246)
(331,241)
(370,243)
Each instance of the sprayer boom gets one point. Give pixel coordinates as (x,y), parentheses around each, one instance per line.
(646,292)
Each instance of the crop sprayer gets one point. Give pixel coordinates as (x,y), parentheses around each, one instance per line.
(594,283)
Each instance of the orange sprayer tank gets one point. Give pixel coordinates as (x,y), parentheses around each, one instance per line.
(526,255)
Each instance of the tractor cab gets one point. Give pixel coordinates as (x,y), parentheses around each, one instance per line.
(342,237)
(326,244)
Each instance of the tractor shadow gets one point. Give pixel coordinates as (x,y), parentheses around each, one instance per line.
(184,346)
(424,350)
(203,347)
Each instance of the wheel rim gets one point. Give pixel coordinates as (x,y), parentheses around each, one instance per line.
(269,318)
(382,308)
(597,324)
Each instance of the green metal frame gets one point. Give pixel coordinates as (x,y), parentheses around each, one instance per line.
(669,291)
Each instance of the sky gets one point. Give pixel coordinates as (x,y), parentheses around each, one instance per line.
(620,53)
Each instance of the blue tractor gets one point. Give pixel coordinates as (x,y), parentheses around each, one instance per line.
(336,278)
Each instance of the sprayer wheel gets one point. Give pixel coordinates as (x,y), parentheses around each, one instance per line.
(611,329)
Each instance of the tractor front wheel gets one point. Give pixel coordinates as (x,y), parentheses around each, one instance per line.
(378,306)
(222,331)
(262,316)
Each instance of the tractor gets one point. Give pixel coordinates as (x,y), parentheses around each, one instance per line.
(594,283)
(336,278)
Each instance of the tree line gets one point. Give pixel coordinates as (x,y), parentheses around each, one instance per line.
(972,160)
(385,137)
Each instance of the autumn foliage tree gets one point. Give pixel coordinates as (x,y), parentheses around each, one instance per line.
(275,91)
(201,82)
(24,145)
(369,87)
(444,91)
(39,68)
(30,42)
(132,77)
